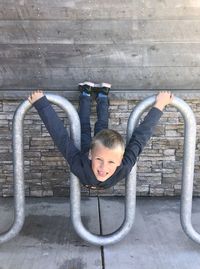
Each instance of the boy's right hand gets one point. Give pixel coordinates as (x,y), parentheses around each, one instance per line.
(36,95)
(163,99)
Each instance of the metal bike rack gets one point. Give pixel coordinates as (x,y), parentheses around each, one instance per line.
(18,157)
(75,194)
(188,159)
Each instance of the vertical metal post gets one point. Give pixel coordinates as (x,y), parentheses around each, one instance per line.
(187,169)
(18,168)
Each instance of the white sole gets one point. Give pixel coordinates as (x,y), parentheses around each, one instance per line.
(91,84)
(103,85)
(99,85)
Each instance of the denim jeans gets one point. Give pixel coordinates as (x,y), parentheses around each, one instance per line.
(84,114)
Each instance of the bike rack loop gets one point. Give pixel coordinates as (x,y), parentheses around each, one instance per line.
(75,194)
(188,157)
(188,170)
(18,157)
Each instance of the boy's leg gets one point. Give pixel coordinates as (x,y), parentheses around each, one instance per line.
(84,115)
(102,109)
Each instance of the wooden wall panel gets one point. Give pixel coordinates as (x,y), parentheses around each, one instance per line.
(187,31)
(101,55)
(68,10)
(104,9)
(133,44)
(68,32)
(127,78)
(99,32)
(71,55)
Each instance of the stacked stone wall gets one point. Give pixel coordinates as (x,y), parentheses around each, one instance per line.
(47,173)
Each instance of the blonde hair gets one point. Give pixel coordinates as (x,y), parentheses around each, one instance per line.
(108,138)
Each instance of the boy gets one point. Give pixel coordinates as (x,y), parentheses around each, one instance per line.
(104,161)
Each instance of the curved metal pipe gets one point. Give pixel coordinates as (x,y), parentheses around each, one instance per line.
(102,240)
(188,159)
(75,194)
(129,215)
(18,157)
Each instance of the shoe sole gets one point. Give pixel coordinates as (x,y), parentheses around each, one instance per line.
(91,84)
(88,83)
(96,88)
(102,85)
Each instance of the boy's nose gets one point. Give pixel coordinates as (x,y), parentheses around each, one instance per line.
(102,165)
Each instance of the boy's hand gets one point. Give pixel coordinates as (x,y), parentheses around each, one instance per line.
(163,99)
(36,95)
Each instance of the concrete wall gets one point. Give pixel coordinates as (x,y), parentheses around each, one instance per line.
(139,46)
(133,44)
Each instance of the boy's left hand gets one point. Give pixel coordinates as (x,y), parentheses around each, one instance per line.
(163,99)
(36,95)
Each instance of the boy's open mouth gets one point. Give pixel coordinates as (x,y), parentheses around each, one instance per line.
(102,173)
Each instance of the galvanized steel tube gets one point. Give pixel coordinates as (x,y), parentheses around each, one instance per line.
(188,159)
(75,194)
(18,174)
(18,157)
(129,214)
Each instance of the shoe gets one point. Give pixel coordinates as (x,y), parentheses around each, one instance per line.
(103,88)
(86,87)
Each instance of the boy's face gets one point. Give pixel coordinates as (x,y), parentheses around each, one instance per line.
(105,161)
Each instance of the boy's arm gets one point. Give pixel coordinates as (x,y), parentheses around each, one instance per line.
(55,127)
(145,130)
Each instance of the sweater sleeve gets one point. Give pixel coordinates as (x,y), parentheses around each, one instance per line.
(56,129)
(140,137)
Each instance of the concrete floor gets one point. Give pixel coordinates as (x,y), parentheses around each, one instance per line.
(48,240)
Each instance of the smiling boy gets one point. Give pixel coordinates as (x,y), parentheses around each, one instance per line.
(103,160)
(106,157)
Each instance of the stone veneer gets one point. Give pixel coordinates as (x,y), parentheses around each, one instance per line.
(46,171)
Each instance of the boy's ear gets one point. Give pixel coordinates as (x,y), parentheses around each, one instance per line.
(90,155)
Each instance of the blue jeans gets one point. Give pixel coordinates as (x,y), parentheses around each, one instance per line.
(84,114)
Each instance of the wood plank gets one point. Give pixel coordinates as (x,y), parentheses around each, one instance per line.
(86,9)
(169,31)
(72,96)
(97,55)
(172,54)
(67,10)
(48,239)
(99,31)
(126,78)
(170,9)
(156,240)
(68,32)
(71,55)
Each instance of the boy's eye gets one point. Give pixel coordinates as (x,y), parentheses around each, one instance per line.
(111,162)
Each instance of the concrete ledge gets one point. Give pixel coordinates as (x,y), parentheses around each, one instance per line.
(117,94)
